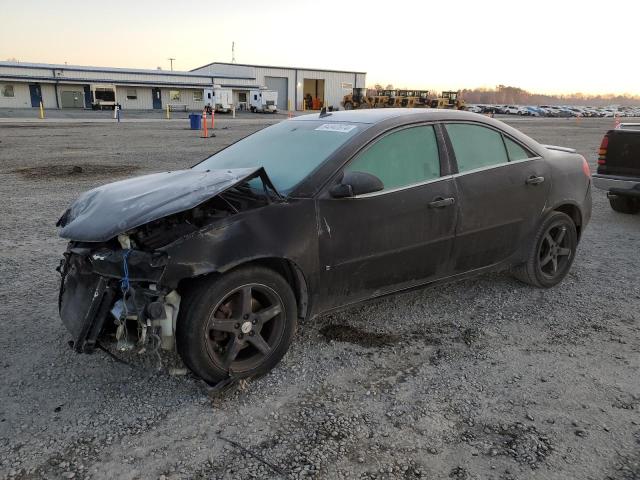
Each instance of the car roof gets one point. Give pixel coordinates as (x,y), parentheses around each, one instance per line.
(377,115)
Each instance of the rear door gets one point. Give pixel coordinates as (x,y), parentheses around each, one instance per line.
(395,238)
(503,189)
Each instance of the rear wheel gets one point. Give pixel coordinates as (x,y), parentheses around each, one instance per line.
(624,204)
(239,324)
(551,253)
(348,106)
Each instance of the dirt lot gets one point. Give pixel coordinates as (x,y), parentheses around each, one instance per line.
(482,379)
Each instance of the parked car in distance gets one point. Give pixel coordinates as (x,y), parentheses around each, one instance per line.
(534,112)
(511,110)
(313,214)
(619,167)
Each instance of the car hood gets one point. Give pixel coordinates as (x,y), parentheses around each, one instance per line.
(101,214)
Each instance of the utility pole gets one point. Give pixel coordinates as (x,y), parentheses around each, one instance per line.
(233,52)
(171,60)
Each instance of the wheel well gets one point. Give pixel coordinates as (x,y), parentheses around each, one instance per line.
(574,213)
(289,271)
(294,277)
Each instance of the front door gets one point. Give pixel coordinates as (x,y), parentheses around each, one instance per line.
(503,188)
(157,98)
(36,94)
(393,239)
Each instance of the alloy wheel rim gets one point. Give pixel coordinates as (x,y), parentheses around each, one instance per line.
(555,251)
(245,327)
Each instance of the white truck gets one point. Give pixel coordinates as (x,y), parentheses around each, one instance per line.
(263,101)
(103,96)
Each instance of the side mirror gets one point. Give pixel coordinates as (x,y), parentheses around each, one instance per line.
(356,183)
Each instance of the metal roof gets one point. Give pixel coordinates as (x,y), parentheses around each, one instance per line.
(275,66)
(81,68)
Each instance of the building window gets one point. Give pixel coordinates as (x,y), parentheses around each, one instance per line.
(242,96)
(7,91)
(174,95)
(197,96)
(132,94)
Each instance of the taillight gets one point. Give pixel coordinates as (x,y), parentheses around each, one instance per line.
(585,168)
(602,153)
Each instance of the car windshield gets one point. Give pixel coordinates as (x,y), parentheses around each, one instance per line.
(289,151)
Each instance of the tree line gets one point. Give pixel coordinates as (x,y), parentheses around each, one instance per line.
(505,95)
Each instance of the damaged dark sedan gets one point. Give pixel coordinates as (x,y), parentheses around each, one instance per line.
(307,216)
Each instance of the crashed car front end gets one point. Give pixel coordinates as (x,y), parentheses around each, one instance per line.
(131,243)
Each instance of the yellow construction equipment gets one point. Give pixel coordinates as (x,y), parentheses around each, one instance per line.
(357,99)
(450,100)
(362,98)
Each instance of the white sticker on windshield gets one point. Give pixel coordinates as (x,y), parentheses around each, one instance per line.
(336,127)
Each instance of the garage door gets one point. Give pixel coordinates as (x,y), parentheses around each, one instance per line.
(72,99)
(280,85)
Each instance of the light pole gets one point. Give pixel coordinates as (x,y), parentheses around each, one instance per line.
(171,60)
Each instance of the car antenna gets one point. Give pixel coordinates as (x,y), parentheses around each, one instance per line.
(323,112)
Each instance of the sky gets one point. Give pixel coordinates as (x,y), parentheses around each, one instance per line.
(544,46)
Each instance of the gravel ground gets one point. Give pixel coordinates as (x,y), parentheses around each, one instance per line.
(480,379)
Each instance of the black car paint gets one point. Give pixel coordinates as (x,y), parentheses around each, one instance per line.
(314,237)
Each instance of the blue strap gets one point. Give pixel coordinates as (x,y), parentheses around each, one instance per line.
(124,283)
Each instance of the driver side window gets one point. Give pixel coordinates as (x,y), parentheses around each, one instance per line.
(401,158)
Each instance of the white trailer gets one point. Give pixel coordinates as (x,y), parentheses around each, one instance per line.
(218,99)
(103,96)
(263,101)
(223,99)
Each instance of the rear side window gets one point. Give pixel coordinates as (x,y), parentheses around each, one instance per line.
(516,152)
(476,146)
(401,158)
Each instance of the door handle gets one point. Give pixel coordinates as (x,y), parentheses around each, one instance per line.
(533,180)
(440,202)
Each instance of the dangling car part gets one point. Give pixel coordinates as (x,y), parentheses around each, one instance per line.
(309,215)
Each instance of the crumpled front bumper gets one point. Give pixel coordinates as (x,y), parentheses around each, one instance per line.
(91,284)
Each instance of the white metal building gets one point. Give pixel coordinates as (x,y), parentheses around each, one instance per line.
(25,85)
(293,84)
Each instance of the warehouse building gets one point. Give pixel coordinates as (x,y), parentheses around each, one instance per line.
(25,85)
(293,84)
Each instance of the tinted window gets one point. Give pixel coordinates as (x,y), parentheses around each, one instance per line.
(401,158)
(476,146)
(516,152)
(288,151)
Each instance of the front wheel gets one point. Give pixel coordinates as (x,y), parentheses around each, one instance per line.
(624,204)
(551,253)
(239,324)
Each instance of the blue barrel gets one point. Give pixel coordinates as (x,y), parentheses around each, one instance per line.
(195,119)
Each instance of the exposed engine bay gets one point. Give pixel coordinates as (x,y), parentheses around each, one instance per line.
(128,286)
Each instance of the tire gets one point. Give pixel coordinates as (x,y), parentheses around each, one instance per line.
(624,204)
(551,252)
(220,335)
(348,106)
